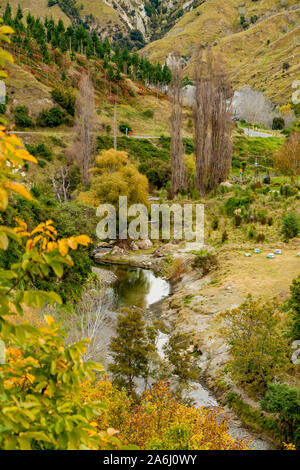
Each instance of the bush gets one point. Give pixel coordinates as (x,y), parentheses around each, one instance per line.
(285,402)
(257,355)
(40,150)
(125,128)
(2,108)
(278,123)
(234,202)
(267,180)
(157,172)
(288,191)
(260,237)
(148,113)
(65,99)
(251,233)
(35,191)
(51,118)
(293,305)
(224,236)
(290,226)
(21,117)
(206,262)
(215,224)
(41,163)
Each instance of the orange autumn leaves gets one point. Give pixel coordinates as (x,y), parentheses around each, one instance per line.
(44,237)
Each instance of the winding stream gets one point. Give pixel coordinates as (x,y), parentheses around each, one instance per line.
(142,288)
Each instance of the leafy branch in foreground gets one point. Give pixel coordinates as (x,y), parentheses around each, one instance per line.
(40,404)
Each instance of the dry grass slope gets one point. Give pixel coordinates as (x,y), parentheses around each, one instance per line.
(254,56)
(36,7)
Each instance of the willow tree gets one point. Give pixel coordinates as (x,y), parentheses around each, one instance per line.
(212,121)
(177,150)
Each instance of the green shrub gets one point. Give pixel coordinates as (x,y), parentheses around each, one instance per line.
(158,172)
(293,304)
(21,117)
(2,108)
(40,150)
(139,150)
(278,123)
(284,401)
(51,118)
(251,233)
(124,128)
(290,226)
(148,113)
(41,163)
(288,191)
(35,191)
(65,99)
(234,202)
(206,262)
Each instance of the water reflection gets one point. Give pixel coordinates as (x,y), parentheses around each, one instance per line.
(137,287)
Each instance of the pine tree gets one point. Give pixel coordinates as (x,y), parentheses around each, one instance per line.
(131,349)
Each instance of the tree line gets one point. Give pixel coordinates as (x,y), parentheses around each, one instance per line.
(77,39)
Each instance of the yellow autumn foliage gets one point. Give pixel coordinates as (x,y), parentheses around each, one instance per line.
(159,421)
(115,176)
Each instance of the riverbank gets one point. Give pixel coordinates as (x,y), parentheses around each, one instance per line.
(194,306)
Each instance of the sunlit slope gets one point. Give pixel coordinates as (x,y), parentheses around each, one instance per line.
(209,22)
(37,8)
(254,56)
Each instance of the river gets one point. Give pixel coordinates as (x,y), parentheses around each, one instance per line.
(142,288)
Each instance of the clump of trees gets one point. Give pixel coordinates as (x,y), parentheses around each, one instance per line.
(258,347)
(252,106)
(212,122)
(176,150)
(77,39)
(158,421)
(135,356)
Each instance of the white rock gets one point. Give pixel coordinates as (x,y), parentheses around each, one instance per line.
(117,251)
(144,244)
(133,246)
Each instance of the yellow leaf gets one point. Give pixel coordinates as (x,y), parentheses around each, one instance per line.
(84,240)
(63,247)
(29,245)
(49,320)
(18,188)
(72,242)
(3,199)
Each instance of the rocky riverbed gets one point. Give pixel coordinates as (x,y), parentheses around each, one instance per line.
(189,309)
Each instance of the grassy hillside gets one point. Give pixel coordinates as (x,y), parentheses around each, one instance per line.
(255,55)
(37,7)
